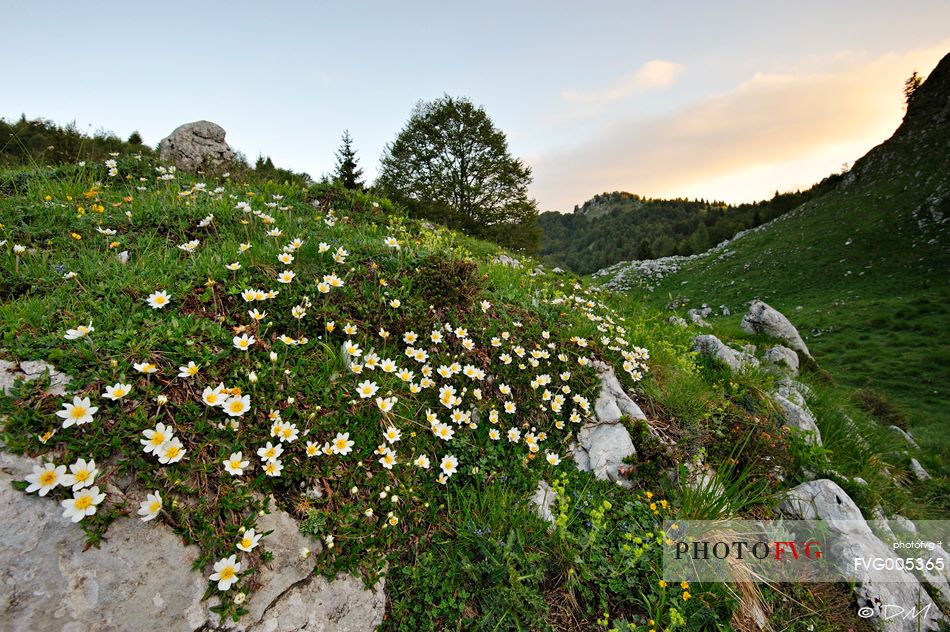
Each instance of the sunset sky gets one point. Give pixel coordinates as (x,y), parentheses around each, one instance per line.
(729,100)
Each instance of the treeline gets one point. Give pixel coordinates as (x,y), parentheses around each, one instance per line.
(620,226)
(38,142)
(42,143)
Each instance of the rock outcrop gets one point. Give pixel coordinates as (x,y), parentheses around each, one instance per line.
(714,348)
(762,319)
(140,576)
(879,593)
(29,370)
(602,445)
(197,145)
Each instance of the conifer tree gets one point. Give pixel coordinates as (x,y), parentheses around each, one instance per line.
(347,171)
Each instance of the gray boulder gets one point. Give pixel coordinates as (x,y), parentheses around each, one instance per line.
(879,593)
(196,145)
(762,319)
(507,260)
(798,416)
(601,449)
(29,370)
(919,471)
(782,357)
(612,401)
(697,318)
(712,347)
(141,573)
(906,436)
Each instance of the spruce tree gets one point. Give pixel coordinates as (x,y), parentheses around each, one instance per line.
(347,171)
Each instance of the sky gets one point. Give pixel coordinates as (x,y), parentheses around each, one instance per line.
(720,100)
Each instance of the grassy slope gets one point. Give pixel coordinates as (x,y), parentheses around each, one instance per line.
(461,555)
(868,264)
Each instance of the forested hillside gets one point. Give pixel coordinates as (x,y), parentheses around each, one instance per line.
(617,226)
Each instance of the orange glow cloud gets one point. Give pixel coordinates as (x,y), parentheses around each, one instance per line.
(653,74)
(773,132)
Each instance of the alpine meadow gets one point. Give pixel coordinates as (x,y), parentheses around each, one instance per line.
(325,337)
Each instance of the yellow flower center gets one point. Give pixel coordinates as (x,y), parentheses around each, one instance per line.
(81,476)
(47,478)
(78,412)
(155,506)
(172,451)
(227,573)
(237,406)
(83,502)
(340,444)
(246,543)
(157,439)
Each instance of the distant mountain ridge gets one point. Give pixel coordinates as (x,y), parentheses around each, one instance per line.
(612,227)
(864,266)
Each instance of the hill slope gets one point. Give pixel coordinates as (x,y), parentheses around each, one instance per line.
(863,268)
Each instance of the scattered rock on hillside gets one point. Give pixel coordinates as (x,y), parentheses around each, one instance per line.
(798,415)
(906,436)
(712,347)
(851,538)
(543,501)
(141,574)
(507,260)
(762,319)
(677,321)
(195,145)
(29,370)
(919,470)
(612,401)
(782,357)
(697,318)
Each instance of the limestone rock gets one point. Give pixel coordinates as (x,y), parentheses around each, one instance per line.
(697,318)
(851,538)
(712,347)
(782,357)
(195,145)
(543,501)
(919,471)
(762,319)
(507,260)
(799,416)
(601,449)
(140,575)
(906,436)
(29,370)
(612,401)
(318,605)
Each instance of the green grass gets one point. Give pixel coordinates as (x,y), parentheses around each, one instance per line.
(463,553)
(862,272)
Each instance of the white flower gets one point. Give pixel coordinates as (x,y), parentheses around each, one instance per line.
(286,277)
(552,458)
(214,396)
(117,391)
(145,367)
(392,434)
(82,504)
(243,342)
(235,464)
(171,451)
(273,468)
(45,477)
(78,413)
(156,437)
(158,300)
(342,444)
(226,572)
(188,370)
(367,389)
(449,465)
(422,461)
(237,406)
(79,332)
(249,540)
(82,474)
(150,507)
(270,452)
(388,459)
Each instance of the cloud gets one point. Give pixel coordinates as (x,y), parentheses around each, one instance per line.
(654,74)
(804,121)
